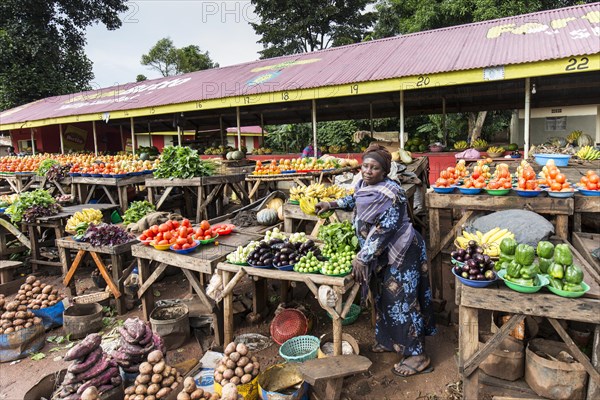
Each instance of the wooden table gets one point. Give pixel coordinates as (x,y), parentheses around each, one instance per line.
(57,222)
(584,204)
(56,188)
(19,181)
(7,231)
(206,190)
(585,243)
(560,208)
(118,256)
(234,273)
(84,188)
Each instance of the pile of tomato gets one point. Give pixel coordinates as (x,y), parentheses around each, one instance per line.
(180,235)
(555,180)
(527,179)
(501,178)
(590,181)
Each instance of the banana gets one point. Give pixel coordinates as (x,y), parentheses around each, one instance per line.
(486,236)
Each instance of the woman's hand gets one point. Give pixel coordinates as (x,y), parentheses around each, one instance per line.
(359,271)
(322,206)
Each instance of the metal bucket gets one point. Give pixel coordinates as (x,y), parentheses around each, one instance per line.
(286,379)
(172,323)
(82,319)
(507,361)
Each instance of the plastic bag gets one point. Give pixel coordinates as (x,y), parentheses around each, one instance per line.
(21,343)
(52,317)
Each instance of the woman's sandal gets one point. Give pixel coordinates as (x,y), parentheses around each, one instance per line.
(413,370)
(379,348)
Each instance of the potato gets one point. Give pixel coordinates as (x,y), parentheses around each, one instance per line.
(159,367)
(36,290)
(130,390)
(245,379)
(174,385)
(143,378)
(145,368)
(18,328)
(12,306)
(179,378)
(235,356)
(218,377)
(197,394)
(47,290)
(51,297)
(253,359)
(248,368)
(21,291)
(10,314)
(231,364)
(21,314)
(28,324)
(18,321)
(167,371)
(230,348)
(239,372)
(141,389)
(168,381)
(183,396)
(9,330)
(228,374)
(150,398)
(164,392)
(189,384)
(36,307)
(156,378)
(90,393)
(139,397)
(224,382)
(242,349)
(214,396)
(242,362)
(37,320)
(221,368)
(256,365)
(30,279)
(43,297)
(155,356)
(153,389)
(36,284)
(235,380)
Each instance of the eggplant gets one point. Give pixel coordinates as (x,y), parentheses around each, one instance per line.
(472,277)
(474,271)
(459,258)
(486,259)
(465,268)
(480,277)
(471,263)
(454,254)
(472,243)
(465,275)
(478,258)
(489,275)
(479,249)
(461,252)
(467,257)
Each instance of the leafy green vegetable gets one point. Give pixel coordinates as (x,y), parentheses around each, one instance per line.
(182,162)
(339,235)
(45,166)
(38,356)
(137,210)
(27,200)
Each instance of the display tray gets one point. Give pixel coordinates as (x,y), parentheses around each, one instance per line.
(586,192)
(469,191)
(497,192)
(565,293)
(443,190)
(474,283)
(186,251)
(562,195)
(539,280)
(527,193)
(261,266)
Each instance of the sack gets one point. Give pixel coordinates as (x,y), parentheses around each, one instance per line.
(528,227)
(52,317)
(20,344)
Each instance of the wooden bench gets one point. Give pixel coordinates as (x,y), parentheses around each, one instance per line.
(326,375)
(6,270)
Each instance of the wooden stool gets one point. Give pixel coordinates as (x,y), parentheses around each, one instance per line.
(6,270)
(326,375)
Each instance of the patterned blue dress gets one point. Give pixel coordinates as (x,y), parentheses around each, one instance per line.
(403,295)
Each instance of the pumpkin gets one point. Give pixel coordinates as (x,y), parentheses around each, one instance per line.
(280,212)
(229,155)
(274,203)
(267,216)
(585,140)
(237,155)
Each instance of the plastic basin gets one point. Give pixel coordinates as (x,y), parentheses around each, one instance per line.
(560,160)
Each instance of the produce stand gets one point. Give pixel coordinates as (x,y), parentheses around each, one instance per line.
(542,304)
(19,181)
(7,231)
(205,189)
(56,188)
(84,188)
(232,274)
(558,207)
(56,222)
(118,255)
(584,204)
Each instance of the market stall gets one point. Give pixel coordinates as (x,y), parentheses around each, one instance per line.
(86,187)
(19,181)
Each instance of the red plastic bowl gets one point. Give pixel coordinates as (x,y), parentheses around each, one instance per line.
(288,324)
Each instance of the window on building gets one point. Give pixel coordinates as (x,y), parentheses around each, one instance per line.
(554,124)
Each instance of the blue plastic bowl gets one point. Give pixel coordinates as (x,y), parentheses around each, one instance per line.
(443,189)
(561,195)
(586,192)
(560,160)
(527,193)
(285,267)
(186,251)
(469,190)
(472,283)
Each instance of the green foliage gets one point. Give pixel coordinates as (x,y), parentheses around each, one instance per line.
(182,162)
(299,26)
(289,138)
(336,133)
(39,197)
(45,166)
(43,43)
(169,60)
(137,210)
(141,78)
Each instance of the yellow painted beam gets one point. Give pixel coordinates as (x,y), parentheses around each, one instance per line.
(563,66)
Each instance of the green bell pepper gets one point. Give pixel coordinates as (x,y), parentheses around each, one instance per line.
(529,271)
(556,283)
(522,281)
(513,269)
(572,287)
(508,246)
(573,274)
(562,254)
(545,263)
(556,270)
(525,254)
(545,249)
(500,265)
(505,257)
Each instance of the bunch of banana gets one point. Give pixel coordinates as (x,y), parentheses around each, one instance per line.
(479,143)
(588,153)
(307,205)
(461,145)
(489,241)
(573,136)
(495,149)
(319,191)
(87,216)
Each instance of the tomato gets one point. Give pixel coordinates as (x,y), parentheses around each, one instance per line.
(175,224)
(594,179)
(163,242)
(555,187)
(590,172)
(565,185)
(592,186)
(208,232)
(159,236)
(143,237)
(531,185)
(181,241)
(204,225)
(207,237)
(444,175)
(190,231)
(199,232)
(528,174)
(186,246)
(185,222)
(507,185)
(182,231)
(190,240)
(169,224)
(163,228)
(475,175)
(522,183)
(561,178)
(154,229)
(176,246)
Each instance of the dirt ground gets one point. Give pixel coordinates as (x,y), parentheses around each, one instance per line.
(379,383)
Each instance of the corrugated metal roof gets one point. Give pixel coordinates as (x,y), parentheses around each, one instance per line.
(541,36)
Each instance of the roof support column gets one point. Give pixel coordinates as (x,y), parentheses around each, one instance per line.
(32,141)
(527,116)
(444,129)
(262,130)
(221,130)
(95,138)
(149,135)
(314,126)
(132,136)
(239,130)
(597,125)
(178,135)
(371,118)
(401,119)
(123,144)
(62,142)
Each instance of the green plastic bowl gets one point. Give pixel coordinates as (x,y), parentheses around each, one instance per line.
(539,279)
(497,192)
(565,293)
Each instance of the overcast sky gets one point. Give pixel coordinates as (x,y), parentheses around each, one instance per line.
(220,27)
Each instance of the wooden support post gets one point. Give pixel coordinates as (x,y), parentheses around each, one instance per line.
(468,343)
(148,296)
(593,391)
(227,310)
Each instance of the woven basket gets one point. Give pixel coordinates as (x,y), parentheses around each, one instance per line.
(97,297)
(352,315)
(288,324)
(300,348)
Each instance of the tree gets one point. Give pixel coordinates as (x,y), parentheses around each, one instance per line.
(141,78)
(42,46)
(167,59)
(298,26)
(395,17)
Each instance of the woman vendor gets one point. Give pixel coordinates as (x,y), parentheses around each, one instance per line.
(392,252)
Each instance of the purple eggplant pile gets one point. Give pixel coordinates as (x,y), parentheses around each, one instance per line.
(472,264)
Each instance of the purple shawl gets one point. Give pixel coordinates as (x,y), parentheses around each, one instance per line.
(373,200)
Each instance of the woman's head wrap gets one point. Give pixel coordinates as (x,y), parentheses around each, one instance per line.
(379,154)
